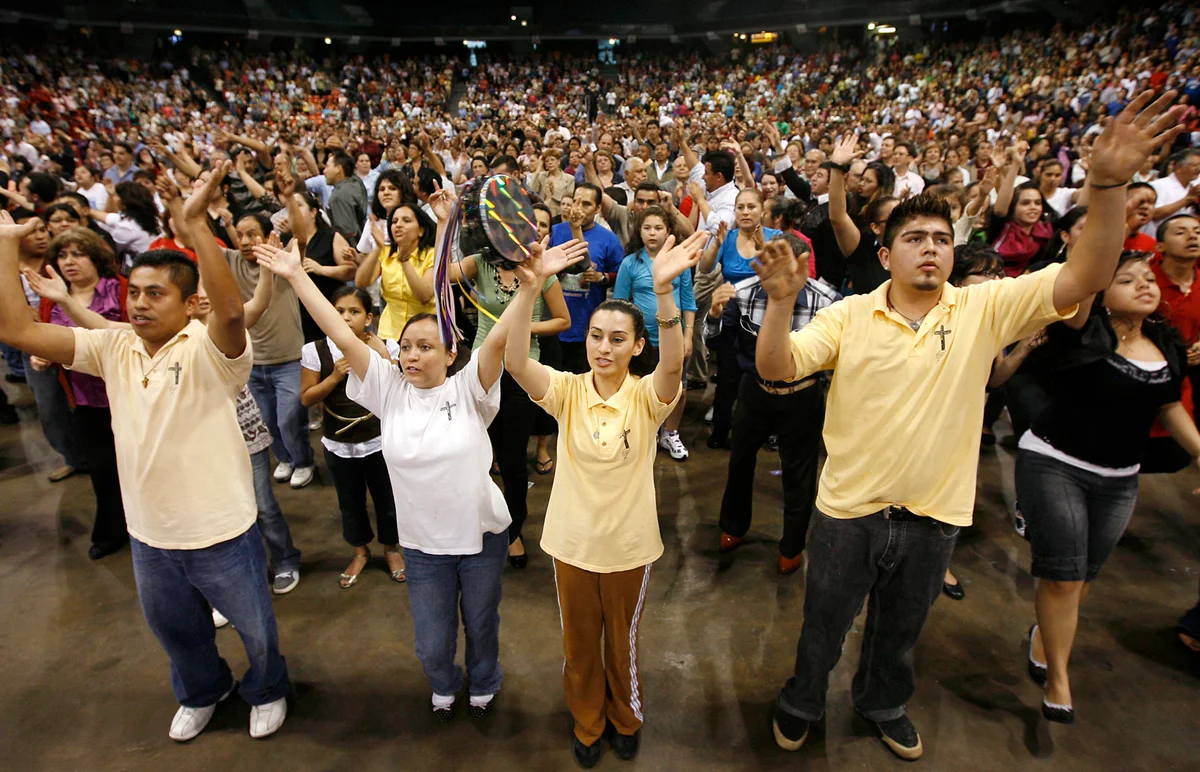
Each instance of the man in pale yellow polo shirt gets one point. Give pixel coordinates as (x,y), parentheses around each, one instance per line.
(910,362)
(185,472)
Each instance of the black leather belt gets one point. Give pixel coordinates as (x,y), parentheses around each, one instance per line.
(900,513)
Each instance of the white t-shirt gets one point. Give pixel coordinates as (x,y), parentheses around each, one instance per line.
(1169,190)
(1061,200)
(438,455)
(311,360)
(97,196)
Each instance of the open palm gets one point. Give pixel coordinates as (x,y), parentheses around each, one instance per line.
(1129,139)
(674,259)
(281,262)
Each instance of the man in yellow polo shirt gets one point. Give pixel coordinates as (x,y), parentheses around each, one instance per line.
(185,473)
(910,362)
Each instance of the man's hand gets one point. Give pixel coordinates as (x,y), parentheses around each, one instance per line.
(10,230)
(695,191)
(720,298)
(281,262)
(285,185)
(442,202)
(1193,352)
(846,150)
(196,206)
(1129,139)
(53,287)
(779,272)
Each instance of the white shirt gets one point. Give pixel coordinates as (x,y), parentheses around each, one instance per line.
(911,180)
(97,196)
(311,360)
(129,237)
(1061,200)
(438,455)
(1169,190)
(721,201)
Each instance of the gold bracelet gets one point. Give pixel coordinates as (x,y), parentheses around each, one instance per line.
(667,324)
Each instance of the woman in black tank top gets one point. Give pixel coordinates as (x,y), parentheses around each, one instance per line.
(326,258)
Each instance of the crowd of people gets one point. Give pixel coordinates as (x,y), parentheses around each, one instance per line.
(244,250)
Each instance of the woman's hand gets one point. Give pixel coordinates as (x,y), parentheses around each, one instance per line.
(779,272)
(674,259)
(377,233)
(54,288)
(341,368)
(846,150)
(312,266)
(545,262)
(442,202)
(720,298)
(281,262)
(1127,140)
(40,365)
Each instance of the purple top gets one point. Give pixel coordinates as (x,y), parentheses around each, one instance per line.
(89,390)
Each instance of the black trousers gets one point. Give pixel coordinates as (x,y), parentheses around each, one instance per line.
(728,375)
(551,356)
(574,357)
(352,478)
(510,434)
(797,419)
(93,427)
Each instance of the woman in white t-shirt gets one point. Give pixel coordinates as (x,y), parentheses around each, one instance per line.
(352,443)
(452,520)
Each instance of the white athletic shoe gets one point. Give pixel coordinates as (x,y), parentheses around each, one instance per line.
(265,720)
(302,476)
(219,619)
(283,472)
(708,417)
(670,442)
(189,722)
(285,582)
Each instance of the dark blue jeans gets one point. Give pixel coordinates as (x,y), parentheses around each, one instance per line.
(276,389)
(54,413)
(179,588)
(437,586)
(898,565)
(284,555)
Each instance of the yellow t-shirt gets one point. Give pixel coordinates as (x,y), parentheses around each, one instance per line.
(905,408)
(185,472)
(602,515)
(402,304)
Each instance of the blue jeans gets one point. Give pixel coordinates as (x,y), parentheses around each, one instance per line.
(284,555)
(437,585)
(276,389)
(13,358)
(177,589)
(898,564)
(54,413)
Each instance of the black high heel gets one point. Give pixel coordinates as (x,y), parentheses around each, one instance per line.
(519,561)
(1037,671)
(1059,714)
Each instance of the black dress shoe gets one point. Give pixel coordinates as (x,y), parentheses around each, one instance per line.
(14,378)
(953,591)
(97,551)
(587,756)
(518,561)
(626,745)
(718,439)
(1059,714)
(1037,671)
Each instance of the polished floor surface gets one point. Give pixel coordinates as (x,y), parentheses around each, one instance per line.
(83,683)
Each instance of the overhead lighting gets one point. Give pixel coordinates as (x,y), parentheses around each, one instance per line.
(871,26)
(612,41)
(464,42)
(178,32)
(885,29)
(328,41)
(513,17)
(743,37)
(524,23)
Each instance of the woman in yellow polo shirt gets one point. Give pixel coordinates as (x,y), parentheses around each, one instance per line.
(604,537)
(403,258)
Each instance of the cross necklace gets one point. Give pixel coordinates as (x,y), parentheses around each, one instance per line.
(146,373)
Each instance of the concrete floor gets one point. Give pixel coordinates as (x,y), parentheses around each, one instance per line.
(84,686)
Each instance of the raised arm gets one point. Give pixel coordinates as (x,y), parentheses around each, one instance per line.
(54,288)
(226,321)
(782,276)
(258,303)
(17,327)
(708,258)
(670,264)
(1120,150)
(844,230)
(1008,179)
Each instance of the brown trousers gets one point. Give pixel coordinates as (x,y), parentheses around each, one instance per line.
(600,613)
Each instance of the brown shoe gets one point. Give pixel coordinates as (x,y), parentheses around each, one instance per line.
(729,543)
(62,473)
(790,565)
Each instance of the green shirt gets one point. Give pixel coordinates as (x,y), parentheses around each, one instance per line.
(494,302)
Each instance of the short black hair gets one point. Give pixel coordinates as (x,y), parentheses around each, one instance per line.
(1158,234)
(924,205)
(264,222)
(21,213)
(647,187)
(799,246)
(595,189)
(358,292)
(128,147)
(975,258)
(343,160)
(44,186)
(507,161)
(179,267)
(721,162)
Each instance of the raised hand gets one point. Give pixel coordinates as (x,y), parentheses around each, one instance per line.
(53,287)
(1129,139)
(196,206)
(846,149)
(281,262)
(442,202)
(10,230)
(285,185)
(779,272)
(720,298)
(167,190)
(377,232)
(674,259)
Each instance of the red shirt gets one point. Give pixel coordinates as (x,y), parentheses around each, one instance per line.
(1182,309)
(1142,242)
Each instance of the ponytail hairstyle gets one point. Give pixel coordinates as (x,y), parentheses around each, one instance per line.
(644,363)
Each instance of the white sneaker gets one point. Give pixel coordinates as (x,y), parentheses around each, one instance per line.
(315,424)
(708,417)
(283,472)
(265,720)
(670,442)
(189,722)
(219,619)
(285,582)
(302,476)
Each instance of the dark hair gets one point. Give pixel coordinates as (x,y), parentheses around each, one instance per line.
(635,238)
(315,205)
(540,207)
(138,205)
(90,170)
(1057,245)
(647,187)
(642,364)
(505,160)
(886,178)
(44,186)
(401,183)
(420,318)
(799,246)
(179,267)
(358,292)
(957,192)
(60,207)
(21,213)
(905,212)
(617,194)
(76,197)
(89,243)
(1158,234)
(427,180)
(263,221)
(874,208)
(721,162)
(1138,186)
(1031,185)
(342,159)
(910,147)
(975,258)
(128,147)
(592,187)
(792,211)
(428,227)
